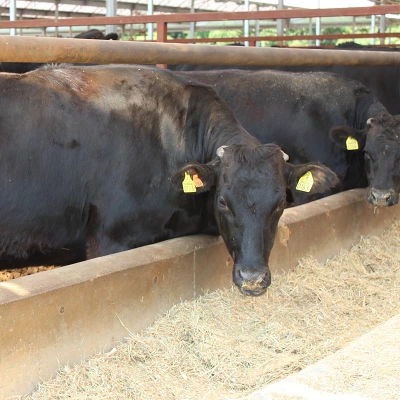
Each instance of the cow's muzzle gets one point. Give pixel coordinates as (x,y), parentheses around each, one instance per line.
(382,198)
(250,281)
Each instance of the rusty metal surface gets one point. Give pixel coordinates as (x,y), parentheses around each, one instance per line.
(61,316)
(49,50)
(209,16)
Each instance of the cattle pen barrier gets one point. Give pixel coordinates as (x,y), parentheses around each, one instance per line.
(54,50)
(62,316)
(162,20)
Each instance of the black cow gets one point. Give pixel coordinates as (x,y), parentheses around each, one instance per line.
(102,154)
(298,110)
(380,140)
(96,34)
(383,80)
(23,67)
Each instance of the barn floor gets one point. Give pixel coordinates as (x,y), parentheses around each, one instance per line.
(224,345)
(366,369)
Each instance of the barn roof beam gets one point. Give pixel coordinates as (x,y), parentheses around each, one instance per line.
(100,6)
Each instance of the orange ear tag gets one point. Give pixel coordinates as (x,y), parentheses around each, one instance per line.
(351,143)
(188,184)
(306,182)
(197,181)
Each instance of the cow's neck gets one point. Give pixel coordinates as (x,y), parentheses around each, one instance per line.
(211,124)
(366,111)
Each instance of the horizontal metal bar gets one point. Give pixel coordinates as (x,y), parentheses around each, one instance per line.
(285,38)
(38,49)
(212,16)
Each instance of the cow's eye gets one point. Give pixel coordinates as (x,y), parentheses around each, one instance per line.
(367,156)
(222,203)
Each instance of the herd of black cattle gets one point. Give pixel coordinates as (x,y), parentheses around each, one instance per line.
(101,159)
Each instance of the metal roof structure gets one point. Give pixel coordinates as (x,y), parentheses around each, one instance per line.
(85,8)
(32,9)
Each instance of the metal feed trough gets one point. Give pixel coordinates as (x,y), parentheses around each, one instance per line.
(61,316)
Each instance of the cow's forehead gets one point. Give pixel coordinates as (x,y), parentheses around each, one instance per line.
(385,123)
(251,166)
(253,176)
(250,157)
(383,138)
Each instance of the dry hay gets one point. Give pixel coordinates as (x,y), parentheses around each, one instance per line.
(226,345)
(13,273)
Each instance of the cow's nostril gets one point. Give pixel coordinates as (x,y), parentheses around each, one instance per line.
(250,281)
(250,276)
(380,197)
(384,197)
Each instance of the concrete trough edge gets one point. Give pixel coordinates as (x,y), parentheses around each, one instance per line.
(62,316)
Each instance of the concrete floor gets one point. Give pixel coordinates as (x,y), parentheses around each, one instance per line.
(367,369)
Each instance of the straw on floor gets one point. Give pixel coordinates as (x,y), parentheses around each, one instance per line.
(225,345)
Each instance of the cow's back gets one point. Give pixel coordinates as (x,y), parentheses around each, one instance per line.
(383,80)
(73,138)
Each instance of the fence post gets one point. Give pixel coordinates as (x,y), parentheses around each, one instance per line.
(162,36)
(162,32)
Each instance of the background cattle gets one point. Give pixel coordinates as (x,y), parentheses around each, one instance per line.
(117,157)
(298,110)
(383,80)
(96,34)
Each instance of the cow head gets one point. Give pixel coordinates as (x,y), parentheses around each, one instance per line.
(249,185)
(381,145)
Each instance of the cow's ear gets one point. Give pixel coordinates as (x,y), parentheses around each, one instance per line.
(311,181)
(348,138)
(195,178)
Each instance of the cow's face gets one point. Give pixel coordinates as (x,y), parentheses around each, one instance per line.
(382,159)
(249,200)
(380,140)
(249,194)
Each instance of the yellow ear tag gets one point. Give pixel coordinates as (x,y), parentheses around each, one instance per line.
(306,182)
(351,143)
(197,181)
(188,184)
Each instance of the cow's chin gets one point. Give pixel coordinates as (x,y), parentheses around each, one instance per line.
(253,292)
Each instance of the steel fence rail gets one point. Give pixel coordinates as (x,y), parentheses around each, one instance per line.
(56,50)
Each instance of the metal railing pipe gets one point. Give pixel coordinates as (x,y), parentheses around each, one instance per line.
(50,50)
